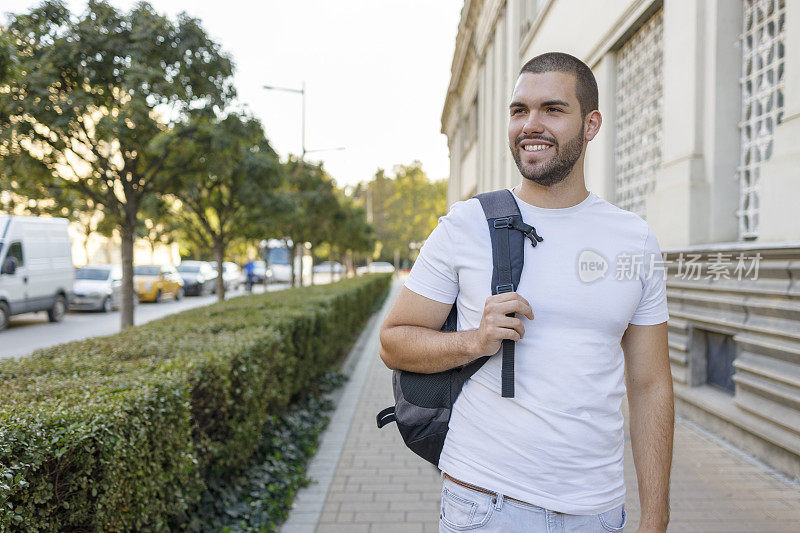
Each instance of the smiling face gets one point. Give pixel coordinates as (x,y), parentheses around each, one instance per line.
(546,132)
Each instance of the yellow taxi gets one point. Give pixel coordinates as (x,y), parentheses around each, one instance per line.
(154,282)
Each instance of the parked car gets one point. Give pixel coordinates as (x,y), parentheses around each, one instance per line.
(232,275)
(36,271)
(97,288)
(329,267)
(198,277)
(153,282)
(376,267)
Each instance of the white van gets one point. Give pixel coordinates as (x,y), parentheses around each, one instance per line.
(36,271)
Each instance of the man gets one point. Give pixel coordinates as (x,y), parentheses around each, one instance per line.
(250,274)
(590,310)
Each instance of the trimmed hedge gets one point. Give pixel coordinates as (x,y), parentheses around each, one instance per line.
(260,499)
(122,433)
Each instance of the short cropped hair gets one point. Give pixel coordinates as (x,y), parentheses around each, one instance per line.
(585,84)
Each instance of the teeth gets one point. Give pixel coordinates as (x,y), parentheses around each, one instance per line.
(535,147)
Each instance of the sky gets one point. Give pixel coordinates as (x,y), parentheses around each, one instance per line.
(376,74)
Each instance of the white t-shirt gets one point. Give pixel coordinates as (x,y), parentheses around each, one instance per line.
(559,442)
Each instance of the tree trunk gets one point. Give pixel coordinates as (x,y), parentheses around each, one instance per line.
(299,250)
(126,291)
(292,254)
(312,266)
(219,255)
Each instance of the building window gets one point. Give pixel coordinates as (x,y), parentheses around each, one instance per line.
(720,353)
(763,39)
(639,102)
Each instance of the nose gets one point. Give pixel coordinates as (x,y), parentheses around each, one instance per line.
(532,124)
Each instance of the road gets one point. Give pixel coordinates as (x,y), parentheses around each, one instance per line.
(32,331)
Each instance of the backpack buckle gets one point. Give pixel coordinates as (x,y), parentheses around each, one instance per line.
(507,287)
(500,223)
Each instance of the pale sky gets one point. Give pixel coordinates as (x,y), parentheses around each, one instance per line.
(376,74)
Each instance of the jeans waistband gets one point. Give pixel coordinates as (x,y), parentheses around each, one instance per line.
(481,489)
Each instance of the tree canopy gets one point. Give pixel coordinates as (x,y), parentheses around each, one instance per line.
(404,208)
(226,179)
(91,102)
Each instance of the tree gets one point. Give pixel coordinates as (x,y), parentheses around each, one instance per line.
(157,222)
(404,208)
(347,232)
(310,204)
(91,102)
(354,235)
(227,176)
(415,207)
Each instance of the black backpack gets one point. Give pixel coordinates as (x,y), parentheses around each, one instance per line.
(423,402)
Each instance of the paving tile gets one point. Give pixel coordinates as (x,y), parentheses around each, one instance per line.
(343,528)
(406,527)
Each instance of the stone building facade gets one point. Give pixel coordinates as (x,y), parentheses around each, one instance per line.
(701,137)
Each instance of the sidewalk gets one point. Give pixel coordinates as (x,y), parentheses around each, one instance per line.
(366,480)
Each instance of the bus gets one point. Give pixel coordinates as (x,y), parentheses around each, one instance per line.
(276,254)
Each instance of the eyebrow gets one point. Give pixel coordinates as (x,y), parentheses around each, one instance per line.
(561,103)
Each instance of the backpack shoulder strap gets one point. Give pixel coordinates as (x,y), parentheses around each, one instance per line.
(499,208)
(508,257)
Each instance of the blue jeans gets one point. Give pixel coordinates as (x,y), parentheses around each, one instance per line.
(465,509)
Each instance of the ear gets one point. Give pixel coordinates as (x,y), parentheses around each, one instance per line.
(591,125)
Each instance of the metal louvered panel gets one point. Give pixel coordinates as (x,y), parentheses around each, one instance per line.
(762,41)
(639,129)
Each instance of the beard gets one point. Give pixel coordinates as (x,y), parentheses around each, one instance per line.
(557,168)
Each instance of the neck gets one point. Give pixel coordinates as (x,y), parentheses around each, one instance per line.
(568,192)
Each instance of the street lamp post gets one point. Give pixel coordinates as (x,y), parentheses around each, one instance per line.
(302,93)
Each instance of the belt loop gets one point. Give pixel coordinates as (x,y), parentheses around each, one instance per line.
(498,501)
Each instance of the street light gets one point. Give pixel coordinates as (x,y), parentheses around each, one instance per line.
(302,93)
(325,149)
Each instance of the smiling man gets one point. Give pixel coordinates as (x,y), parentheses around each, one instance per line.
(590,319)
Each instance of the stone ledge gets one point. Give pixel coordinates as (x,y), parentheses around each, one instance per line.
(716,412)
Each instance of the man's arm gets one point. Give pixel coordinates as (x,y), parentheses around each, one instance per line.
(411,340)
(650,402)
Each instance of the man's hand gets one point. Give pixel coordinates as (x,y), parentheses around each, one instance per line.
(411,340)
(496,324)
